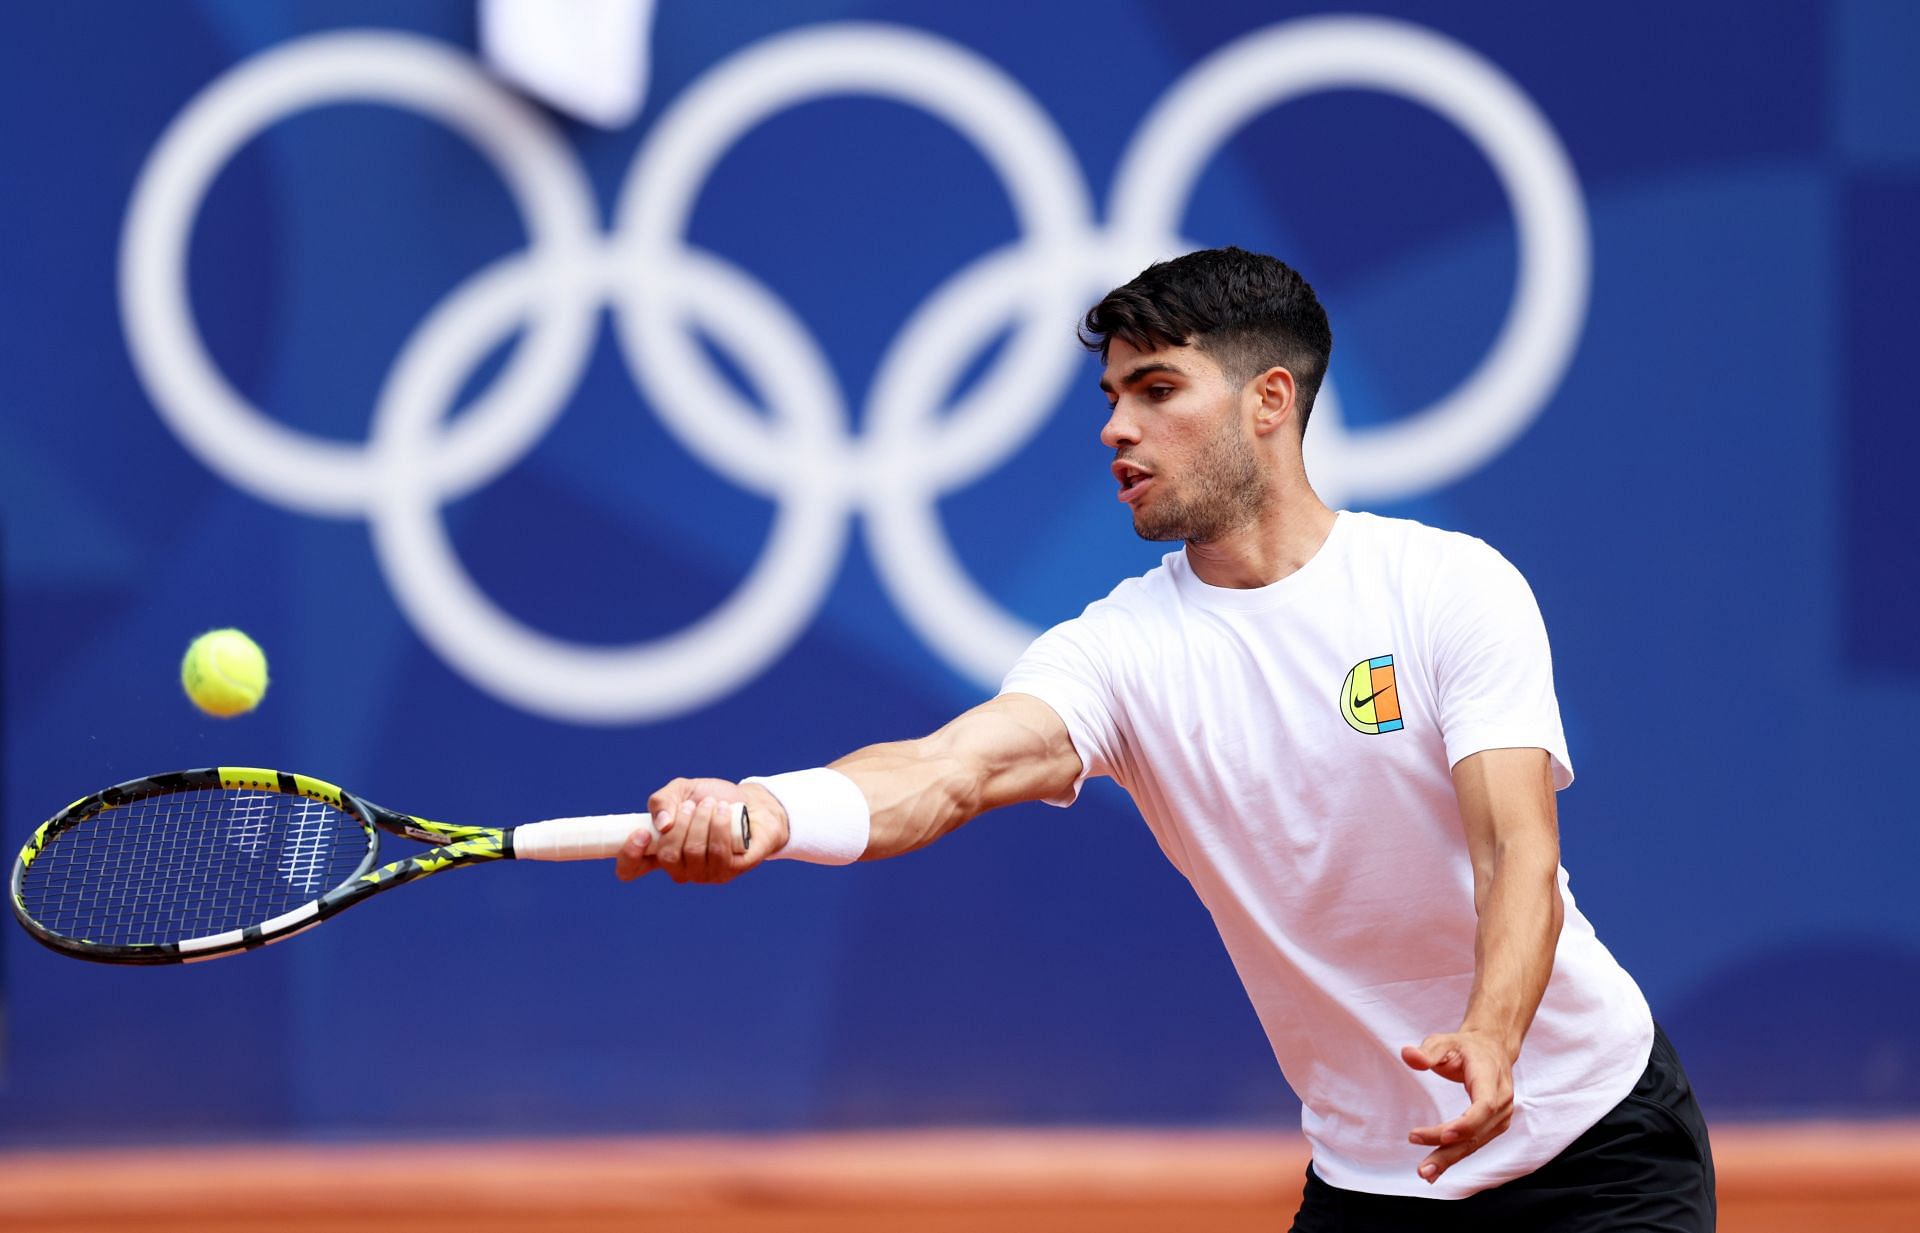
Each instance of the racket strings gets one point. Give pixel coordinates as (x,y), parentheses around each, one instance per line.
(191,864)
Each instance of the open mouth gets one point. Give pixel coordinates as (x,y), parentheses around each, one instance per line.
(1133,479)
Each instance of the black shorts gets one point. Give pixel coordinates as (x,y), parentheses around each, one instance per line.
(1646,1167)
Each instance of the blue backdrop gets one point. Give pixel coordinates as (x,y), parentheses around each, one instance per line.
(1698,459)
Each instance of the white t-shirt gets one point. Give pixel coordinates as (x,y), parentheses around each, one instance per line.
(1291,746)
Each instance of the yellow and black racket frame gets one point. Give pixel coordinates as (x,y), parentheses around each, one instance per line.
(453,845)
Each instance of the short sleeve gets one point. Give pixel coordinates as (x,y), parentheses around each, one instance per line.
(1066,668)
(1493,669)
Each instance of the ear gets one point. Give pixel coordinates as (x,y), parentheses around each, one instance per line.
(1273,392)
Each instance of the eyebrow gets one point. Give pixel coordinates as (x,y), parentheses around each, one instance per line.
(1141,373)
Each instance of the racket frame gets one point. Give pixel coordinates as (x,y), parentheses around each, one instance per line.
(452,845)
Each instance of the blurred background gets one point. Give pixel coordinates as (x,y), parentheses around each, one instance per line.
(571,396)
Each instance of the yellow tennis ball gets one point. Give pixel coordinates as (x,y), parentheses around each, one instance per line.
(224,672)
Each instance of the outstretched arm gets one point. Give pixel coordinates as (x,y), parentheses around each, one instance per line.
(1506,802)
(1012,748)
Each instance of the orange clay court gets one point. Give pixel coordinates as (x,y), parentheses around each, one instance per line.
(1787,1178)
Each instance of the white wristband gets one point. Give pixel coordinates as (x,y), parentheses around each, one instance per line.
(828,822)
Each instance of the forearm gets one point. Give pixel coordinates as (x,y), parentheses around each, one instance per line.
(1520,914)
(1013,748)
(915,794)
(1513,838)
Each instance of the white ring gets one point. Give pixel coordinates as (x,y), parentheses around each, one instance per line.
(1512,383)
(904,478)
(255,453)
(908,433)
(539,673)
(975,97)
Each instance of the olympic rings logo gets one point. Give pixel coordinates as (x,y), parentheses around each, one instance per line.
(803,454)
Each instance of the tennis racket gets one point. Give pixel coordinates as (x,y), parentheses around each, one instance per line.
(194,865)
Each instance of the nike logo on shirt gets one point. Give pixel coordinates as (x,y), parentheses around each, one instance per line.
(1360,702)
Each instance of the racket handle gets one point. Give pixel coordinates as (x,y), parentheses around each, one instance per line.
(595,838)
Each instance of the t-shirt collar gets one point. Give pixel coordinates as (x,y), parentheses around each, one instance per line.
(1274,594)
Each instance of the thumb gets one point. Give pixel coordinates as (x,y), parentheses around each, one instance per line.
(1432,1053)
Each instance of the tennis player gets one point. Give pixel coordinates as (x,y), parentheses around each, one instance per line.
(1342,729)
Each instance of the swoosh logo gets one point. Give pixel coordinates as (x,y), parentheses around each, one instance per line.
(1360,702)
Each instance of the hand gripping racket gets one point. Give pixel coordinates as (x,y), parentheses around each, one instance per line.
(193,865)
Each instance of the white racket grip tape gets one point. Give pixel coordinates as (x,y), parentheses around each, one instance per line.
(596,838)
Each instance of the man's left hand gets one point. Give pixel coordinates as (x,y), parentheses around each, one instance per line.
(1485,1067)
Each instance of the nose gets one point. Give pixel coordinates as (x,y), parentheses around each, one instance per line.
(1120,428)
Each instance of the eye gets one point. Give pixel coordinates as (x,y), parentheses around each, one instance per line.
(1159,393)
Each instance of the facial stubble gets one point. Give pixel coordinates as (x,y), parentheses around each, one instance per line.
(1228,489)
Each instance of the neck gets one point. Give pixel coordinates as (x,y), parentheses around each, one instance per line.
(1288,531)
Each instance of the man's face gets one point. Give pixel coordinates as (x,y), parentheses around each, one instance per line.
(1183,444)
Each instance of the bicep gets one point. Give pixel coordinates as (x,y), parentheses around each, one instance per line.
(1009,749)
(1507,806)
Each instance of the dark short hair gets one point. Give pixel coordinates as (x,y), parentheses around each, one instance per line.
(1248,311)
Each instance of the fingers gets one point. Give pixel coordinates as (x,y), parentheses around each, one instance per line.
(1441,1055)
(1442,1159)
(640,855)
(693,843)
(695,837)
(1479,1115)
(1486,1071)
(633,859)
(724,848)
(672,826)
